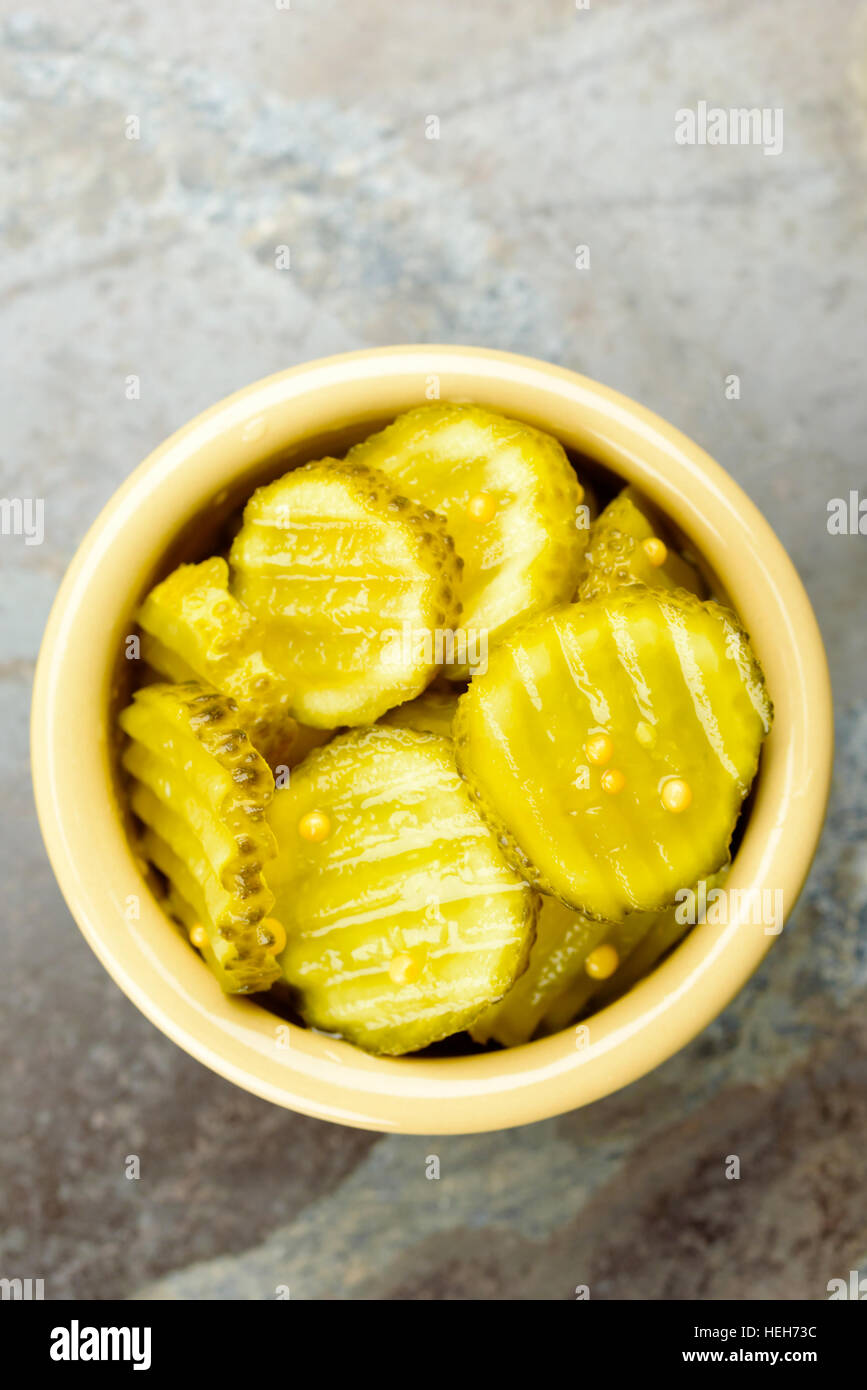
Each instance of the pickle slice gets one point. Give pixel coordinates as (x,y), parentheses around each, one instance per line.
(611,744)
(582,989)
(403,919)
(194,629)
(430,713)
(561,983)
(510,498)
(177,906)
(628,545)
(564,939)
(557,984)
(200,790)
(664,933)
(356,586)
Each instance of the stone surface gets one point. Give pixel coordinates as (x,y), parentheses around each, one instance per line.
(155,257)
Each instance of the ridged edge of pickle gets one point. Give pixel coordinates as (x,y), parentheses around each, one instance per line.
(613,549)
(195,629)
(434,552)
(243,949)
(625,597)
(318,761)
(515,1019)
(564,493)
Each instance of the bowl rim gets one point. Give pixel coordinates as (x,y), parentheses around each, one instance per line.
(309,1072)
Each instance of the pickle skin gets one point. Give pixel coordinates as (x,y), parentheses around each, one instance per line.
(616,556)
(580,993)
(403,920)
(638,665)
(510,498)
(243,964)
(430,713)
(555,990)
(195,629)
(564,939)
(353,583)
(201,791)
(664,934)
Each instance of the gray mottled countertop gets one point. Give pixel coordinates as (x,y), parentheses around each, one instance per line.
(155,257)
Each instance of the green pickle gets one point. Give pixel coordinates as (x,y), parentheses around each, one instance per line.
(403,920)
(330,815)
(584,991)
(354,584)
(201,791)
(564,939)
(431,713)
(664,933)
(510,498)
(577,965)
(557,985)
(628,545)
(611,744)
(193,628)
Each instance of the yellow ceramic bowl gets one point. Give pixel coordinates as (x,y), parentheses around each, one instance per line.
(169,509)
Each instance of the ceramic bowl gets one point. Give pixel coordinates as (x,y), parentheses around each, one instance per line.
(172,507)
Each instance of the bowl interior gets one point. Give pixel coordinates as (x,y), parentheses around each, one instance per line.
(211,532)
(178,506)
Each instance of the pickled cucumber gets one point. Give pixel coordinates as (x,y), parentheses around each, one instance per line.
(355,584)
(201,790)
(430,713)
(510,498)
(567,978)
(665,932)
(564,939)
(582,990)
(603,749)
(627,545)
(611,743)
(403,920)
(194,629)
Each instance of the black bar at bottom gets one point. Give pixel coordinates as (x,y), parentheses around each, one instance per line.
(65,1338)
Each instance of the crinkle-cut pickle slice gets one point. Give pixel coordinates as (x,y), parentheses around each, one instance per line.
(190,920)
(510,498)
(353,583)
(558,984)
(564,939)
(628,545)
(195,629)
(664,933)
(562,982)
(666,930)
(430,713)
(201,791)
(611,744)
(403,920)
(579,994)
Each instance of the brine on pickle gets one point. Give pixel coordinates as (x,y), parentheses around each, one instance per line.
(368,833)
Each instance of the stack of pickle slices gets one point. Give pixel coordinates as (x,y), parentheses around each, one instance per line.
(342,807)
